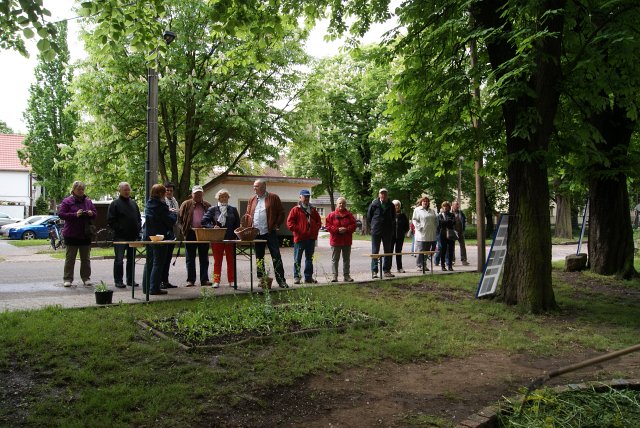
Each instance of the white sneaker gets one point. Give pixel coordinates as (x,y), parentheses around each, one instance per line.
(67,283)
(88,283)
(216,284)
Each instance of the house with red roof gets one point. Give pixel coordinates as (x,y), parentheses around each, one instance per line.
(17,187)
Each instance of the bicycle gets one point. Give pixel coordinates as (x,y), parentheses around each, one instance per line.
(104,238)
(55,234)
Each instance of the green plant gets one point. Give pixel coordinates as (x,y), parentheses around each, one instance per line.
(101,287)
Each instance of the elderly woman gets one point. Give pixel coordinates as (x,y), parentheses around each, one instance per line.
(425,222)
(446,221)
(222,215)
(341,224)
(78,213)
(400,229)
(159,220)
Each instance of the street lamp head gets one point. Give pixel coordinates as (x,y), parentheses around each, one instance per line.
(168,36)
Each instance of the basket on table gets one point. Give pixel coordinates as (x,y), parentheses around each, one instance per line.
(206,234)
(246,231)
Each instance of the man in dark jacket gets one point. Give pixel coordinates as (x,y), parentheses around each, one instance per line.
(381,215)
(124,219)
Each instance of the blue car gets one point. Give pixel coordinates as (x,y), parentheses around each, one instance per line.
(35,230)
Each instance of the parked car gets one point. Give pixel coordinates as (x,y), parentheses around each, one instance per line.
(4,230)
(7,219)
(33,229)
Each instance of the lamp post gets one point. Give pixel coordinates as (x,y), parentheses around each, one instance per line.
(460,160)
(151,164)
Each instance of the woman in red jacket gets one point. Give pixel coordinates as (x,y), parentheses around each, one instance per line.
(341,224)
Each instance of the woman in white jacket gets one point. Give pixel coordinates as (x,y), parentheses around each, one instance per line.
(425,222)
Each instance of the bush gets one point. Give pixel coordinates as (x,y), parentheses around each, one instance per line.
(41,207)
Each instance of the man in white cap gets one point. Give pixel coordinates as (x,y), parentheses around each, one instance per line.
(190,217)
(304,221)
(380,215)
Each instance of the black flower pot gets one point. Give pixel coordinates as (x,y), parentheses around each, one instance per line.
(104,297)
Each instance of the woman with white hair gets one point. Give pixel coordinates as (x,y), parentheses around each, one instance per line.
(400,229)
(78,214)
(341,224)
(222,215)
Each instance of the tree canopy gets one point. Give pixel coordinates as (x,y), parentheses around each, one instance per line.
(221,98)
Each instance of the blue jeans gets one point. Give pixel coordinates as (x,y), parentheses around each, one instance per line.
(156,256)
(387,247)
(307,247)
(190,259)
(274,250)
(446,251)
(118,263)
(439,249)
(167,264)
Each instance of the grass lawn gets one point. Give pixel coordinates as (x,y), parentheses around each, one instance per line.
(97,367)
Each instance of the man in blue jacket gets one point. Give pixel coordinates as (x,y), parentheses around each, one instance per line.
(380,215)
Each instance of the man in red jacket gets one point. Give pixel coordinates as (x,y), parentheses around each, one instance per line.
(304,221)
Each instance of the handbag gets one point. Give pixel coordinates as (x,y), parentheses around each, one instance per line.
(89,230)
(452,235)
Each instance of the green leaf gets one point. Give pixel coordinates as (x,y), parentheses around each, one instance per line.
(28,33)
(43,45)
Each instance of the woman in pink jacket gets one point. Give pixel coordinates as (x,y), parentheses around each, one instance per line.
(341,224)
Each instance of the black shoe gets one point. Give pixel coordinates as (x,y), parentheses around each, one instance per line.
(120,285)
(444,268)
(157,292)
(310,281)
(135,284)
(283,285)
(450,268)
(168,285)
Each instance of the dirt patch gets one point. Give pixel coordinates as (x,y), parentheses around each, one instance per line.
(416,394)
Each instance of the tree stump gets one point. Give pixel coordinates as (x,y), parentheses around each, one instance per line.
(575,263)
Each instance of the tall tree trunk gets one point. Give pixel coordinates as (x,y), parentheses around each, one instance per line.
(610,232)
(563,216)
(527,271)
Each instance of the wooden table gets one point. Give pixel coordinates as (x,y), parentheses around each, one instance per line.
(242,246)
(237,244)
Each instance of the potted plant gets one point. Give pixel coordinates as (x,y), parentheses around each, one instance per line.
(265,279)
(104,296)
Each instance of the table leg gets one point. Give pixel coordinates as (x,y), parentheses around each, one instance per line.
(147,272)
(133,274)
(431,259)
(235,267)
(424,262)
(380,261)
(251,266)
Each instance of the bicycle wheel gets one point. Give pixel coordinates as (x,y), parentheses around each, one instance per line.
(104,238)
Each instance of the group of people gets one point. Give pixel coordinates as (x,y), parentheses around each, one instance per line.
(164,216)
(432,232)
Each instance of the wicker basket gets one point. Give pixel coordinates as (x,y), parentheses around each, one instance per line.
(204,234)
(246,231)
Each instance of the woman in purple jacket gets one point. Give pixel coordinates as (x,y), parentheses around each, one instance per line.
(78,213)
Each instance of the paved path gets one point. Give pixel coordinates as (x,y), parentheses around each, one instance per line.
(30,281)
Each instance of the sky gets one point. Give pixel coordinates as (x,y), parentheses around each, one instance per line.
(16,71)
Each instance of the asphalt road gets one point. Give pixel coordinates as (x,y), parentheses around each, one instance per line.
(29,280)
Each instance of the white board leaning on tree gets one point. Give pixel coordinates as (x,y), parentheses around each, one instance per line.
(495,259)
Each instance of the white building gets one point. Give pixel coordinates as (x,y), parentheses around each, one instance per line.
(17,190)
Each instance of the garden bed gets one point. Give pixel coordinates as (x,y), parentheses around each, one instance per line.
(255,319)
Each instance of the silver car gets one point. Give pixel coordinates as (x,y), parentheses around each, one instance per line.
(4,230)
(7,219)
